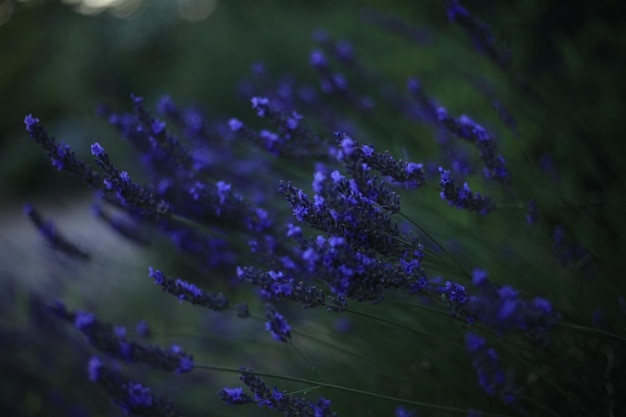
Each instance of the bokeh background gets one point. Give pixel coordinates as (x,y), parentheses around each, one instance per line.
(61,60)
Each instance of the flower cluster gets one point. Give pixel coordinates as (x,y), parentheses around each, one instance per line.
(274,399)
(112,340)
(189,292)
(491,377)
(365,240)
(132,397)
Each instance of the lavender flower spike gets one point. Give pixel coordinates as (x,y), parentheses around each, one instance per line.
(479,32)
(61,155)
(189,292)
(52,235)
(128,193)
(463,198)
(277,325)
(112,340)
(133,397)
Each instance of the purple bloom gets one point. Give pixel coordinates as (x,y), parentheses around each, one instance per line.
(235,124)
(479,32)
(479,276)
(83,319)
(30,122)
(132,397)
(128,193)
(260,104)
(501,308)
(143,329)
(410,174)
(277,325)
(97,150)
(61,155)
(275,399)
(463,198)
(235,396)
(344,50)
(112,340)
(491,375)
(403,412)
(223,189)
(138,395)
(317,59)
(94,369)
(189,292)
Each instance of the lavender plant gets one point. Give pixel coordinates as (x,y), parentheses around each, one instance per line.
(346,277)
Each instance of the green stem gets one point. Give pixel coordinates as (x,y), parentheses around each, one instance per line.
(444,250)
(592,330)
(348,389)
(445,341)
(306,360)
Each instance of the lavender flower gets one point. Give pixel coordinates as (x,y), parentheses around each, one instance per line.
(235,396)
(278,285)
(132,397)
(501,308)
(48,230)
(410,174)
(277,325)
(128,193)
(189,292)
(463,198)
(479,33)
(274,399)
(491,376)
(292,138)
(112,340)
(62,157)
(341,209)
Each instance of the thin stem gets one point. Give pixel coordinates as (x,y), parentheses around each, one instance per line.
(348,389)
(592,330)
(444,250)
(404,326)
(306,360)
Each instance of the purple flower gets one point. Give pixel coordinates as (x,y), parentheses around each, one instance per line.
(479,33)
(410,174)
(97,150)
(61,155)
(112,340)
(132,397)
(403,412)
(189,292)
(235,124)
(138,395)
(235,396)
(491,376)
(317,59)
(277,325)
(275,399)
(30,122)
(94,368)
(260,104)
(344,50)
(463,198)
